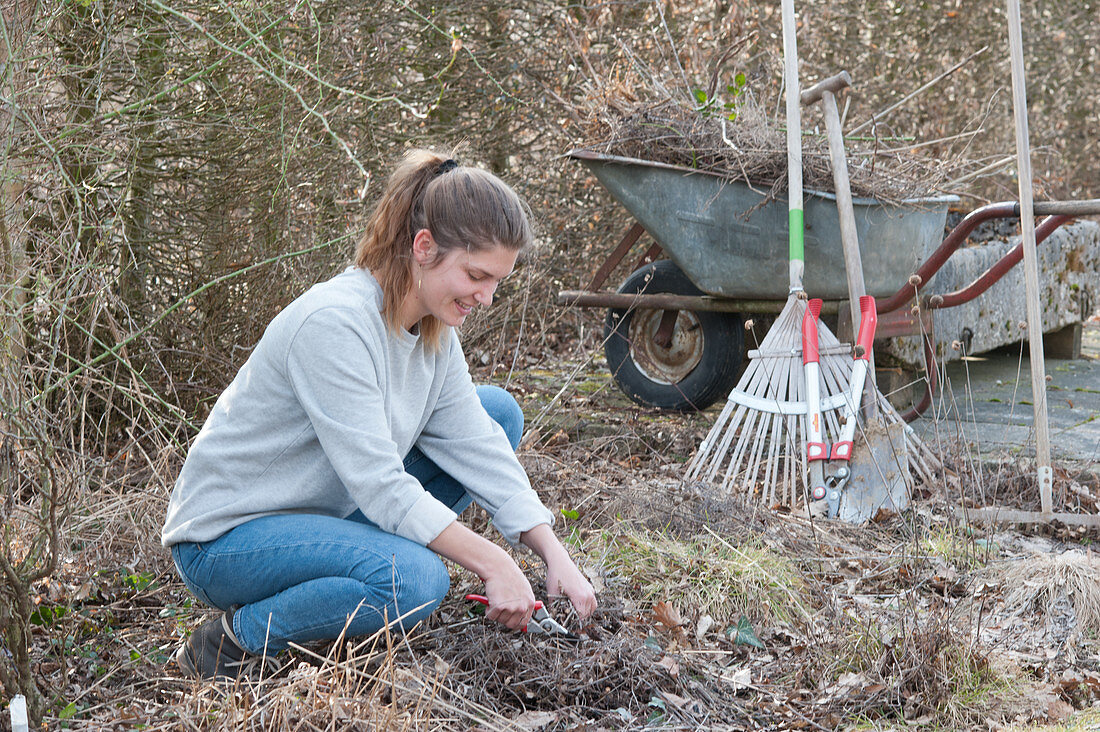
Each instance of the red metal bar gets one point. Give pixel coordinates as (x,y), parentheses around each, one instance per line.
(629,240)
(651,255)
(953,241)
(931,369)
(998,270)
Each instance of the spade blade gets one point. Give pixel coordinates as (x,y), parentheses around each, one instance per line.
(880,473)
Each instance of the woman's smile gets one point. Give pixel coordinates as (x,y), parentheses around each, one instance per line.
(449,285)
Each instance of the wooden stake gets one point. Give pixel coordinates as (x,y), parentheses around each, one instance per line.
(1031,263)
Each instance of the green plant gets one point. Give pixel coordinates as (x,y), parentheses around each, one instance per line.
(713,105)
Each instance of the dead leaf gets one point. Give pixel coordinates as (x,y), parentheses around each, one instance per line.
(1058,710)
(740,679)
(530,438)
(705,623)
(668,616)
(560,437)
(883,515)
(676,700)
(670,664)
(595,578)
(852,680)
(535,720)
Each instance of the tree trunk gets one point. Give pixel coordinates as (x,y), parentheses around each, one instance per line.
(14,264)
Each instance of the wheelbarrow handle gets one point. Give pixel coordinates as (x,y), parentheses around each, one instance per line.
(868,322)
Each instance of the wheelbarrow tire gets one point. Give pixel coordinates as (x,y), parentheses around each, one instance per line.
(700,366)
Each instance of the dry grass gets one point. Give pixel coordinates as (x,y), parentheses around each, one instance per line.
(1063,589)
(705,575)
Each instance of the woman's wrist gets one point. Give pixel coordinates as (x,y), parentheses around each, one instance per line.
(542,540)
(472,551)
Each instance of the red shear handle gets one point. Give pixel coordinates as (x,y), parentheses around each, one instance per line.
(841,450)
(868,321)
(485,601)
(809,331)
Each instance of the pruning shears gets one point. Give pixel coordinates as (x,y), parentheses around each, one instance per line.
(541,622)
(817,452)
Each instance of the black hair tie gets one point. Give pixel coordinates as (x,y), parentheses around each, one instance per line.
(446,166)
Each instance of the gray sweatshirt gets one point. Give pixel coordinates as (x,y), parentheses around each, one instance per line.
(321,415)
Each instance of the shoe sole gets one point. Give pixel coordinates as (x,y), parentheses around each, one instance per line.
(183,660)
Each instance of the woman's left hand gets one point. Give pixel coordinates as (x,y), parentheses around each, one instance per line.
(562,575)
(565,578)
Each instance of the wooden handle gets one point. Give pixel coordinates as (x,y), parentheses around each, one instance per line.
(832,85)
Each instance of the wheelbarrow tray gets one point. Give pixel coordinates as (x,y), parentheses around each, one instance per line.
(730,243)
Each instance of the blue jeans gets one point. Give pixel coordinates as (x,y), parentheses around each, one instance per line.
(300,577)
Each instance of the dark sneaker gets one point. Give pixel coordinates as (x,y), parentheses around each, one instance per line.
(212,651)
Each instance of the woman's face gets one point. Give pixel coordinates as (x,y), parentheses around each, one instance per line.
(451,285)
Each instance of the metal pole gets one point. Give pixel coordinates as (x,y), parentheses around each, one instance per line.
(1031,264)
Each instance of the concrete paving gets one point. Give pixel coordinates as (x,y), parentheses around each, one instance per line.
(986,401)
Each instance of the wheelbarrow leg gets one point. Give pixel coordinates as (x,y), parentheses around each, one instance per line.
(663,336)
(628,241)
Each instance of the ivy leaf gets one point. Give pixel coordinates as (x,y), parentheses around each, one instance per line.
(740,80)
(743,635)
(700,95)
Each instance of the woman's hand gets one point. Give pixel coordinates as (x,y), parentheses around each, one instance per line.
(511,600)
(562,575)
(564,578)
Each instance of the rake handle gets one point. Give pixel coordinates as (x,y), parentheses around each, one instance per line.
(796,244)
(833,85)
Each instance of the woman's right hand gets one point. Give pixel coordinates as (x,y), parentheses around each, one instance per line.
(511,599)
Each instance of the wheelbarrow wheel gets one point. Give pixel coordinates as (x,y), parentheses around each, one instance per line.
(696,367)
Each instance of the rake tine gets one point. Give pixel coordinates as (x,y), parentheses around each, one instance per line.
(738,431)
(743,441)
(793,460)
(779,381)
(773,467)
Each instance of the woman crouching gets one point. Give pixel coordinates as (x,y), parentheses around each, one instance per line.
(326,483)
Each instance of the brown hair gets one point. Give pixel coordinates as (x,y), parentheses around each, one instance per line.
(462,207)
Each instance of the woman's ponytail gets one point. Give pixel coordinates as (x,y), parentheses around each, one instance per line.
(462,207)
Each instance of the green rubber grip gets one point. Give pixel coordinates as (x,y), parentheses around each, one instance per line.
(797,250)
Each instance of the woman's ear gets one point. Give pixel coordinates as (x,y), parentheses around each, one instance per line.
(424,248)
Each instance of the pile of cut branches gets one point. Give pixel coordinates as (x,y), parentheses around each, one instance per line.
(752,148)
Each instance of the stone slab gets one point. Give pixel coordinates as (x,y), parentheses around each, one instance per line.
(986,402)
(1069,276)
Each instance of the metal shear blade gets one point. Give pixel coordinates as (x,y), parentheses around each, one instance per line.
(541,623)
